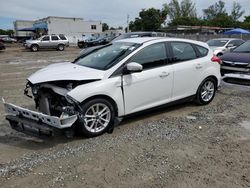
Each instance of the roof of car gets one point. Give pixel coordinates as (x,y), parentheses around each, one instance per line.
(141,40)
(226,39)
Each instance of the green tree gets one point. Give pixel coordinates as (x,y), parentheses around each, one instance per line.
(214,10)
(181,13)
(176,9)
(237,11)
(7,32)
(246,23)
(105,27)
(216,15)
(148,20)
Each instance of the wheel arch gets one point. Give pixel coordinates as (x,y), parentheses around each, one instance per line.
(215,79)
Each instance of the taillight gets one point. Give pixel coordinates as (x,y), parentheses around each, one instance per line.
(216,59)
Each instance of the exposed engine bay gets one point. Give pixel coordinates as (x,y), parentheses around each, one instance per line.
(51,97)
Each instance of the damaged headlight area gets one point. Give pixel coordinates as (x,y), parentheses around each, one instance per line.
(51,97)
(55,109)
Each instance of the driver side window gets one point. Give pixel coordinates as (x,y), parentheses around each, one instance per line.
(151,56)
(46,38)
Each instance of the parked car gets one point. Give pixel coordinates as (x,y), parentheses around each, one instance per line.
(237,61)
(223,45)
(142,34)
(58,42)
(8,40)
(2,47)
(98,89)
(237,78)
(93,41)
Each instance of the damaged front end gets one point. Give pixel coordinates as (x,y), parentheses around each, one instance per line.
(55,110)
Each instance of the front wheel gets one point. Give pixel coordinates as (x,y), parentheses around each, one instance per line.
(97,116)
(206,91)
(34,48)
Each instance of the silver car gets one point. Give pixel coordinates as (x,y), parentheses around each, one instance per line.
(221,46)
(58,42)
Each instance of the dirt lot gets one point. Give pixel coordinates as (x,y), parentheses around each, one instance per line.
(180,146)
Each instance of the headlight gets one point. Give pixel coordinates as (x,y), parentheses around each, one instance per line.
(71,100)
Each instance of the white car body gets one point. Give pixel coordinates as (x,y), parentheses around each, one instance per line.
(137,96)
(137,91)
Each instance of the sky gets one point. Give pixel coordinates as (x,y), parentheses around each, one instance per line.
(112,12)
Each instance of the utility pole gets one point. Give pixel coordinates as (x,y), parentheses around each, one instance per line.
(128,23)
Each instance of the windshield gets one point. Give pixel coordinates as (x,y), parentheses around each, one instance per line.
(217,42)
(244,48)
(107,56)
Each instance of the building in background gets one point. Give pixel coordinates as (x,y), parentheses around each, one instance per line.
(20,24)
(73,28)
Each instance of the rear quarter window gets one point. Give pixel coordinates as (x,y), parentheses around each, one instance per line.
(202,51)
(62,37)
(182,51)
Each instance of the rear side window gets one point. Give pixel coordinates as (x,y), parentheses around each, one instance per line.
(236,42)
(62,37)
(202,51)
(54,38)
(151,56)
(182,51)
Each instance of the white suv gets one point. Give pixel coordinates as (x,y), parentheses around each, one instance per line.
(118,79)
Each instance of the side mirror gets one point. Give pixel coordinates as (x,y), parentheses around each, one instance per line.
(134,67)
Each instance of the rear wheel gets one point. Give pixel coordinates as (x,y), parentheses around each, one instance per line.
(80,45)
(34,48)
(60,47)
(97,116)
(206,91)
(219,54)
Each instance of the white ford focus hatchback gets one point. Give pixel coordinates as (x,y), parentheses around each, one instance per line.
(115,80)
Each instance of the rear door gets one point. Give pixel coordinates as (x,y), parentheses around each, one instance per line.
(54,41)
(188,69)
(152,86)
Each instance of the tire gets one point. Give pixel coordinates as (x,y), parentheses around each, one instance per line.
(80,45)
(60,47)
(206,91)
(219,54)
(34,48)
(91,124)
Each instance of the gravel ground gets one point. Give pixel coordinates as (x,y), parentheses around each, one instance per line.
(180,146)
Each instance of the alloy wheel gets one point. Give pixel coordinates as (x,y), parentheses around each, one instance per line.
(207,91)
(97,117)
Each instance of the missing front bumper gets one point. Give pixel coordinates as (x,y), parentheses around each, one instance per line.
(28,121)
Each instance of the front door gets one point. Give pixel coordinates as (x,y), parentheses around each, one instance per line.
(152,86)
(45,42)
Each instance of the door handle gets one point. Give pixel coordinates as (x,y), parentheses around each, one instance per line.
(164,74)
(198,66)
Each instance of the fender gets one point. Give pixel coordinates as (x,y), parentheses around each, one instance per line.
(110,87)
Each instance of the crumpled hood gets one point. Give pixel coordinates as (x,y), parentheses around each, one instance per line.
(65,71)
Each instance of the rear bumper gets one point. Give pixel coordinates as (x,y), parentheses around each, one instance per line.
(28,121)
